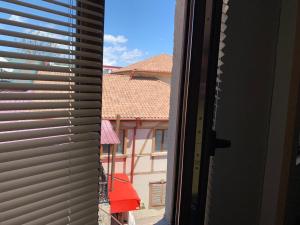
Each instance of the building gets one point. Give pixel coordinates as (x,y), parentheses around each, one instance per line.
(159,66)
(142,102)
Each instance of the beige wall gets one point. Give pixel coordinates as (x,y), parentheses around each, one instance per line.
(148,167)
(164,78)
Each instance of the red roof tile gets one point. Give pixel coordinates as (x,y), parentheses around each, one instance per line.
(135,97)
(158,64)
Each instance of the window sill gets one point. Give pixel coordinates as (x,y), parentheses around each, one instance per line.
(118,156)
(153,154)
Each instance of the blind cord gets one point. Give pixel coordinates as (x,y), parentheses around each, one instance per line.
(70,105)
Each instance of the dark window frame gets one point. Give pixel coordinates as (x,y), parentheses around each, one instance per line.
(122,142)
(197,82)
(163,140)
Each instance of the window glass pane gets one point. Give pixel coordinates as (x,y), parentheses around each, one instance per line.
(120,149)
(158,140)
(165,142)
(106,149)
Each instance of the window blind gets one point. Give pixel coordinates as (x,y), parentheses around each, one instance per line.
(50,111)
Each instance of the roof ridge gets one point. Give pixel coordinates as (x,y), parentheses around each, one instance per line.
(161,63)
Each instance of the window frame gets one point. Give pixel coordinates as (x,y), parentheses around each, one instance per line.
(163,129)
(123,142)
(102,152)
(197,39)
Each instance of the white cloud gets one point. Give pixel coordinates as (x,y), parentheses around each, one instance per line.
(119,39)
(117,53)
(131,56)
(17,18)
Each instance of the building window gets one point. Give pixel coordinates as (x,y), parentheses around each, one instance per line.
(106,149)
(120,148)
(160,140)
(157,193)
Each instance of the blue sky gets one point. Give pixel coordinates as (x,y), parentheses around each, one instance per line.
(134,29)
(137,29)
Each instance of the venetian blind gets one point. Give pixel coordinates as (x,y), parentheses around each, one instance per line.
(50,103)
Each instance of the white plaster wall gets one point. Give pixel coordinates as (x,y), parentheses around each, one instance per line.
(141,184)
(159,163)
(165,79)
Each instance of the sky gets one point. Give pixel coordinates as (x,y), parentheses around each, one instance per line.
(134,29)
(137,29)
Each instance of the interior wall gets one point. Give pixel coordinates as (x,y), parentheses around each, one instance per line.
(244,111)
(279,112)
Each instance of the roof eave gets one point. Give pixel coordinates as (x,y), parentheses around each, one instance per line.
(143,72)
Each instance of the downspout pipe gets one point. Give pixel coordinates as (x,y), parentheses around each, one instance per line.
(137,121)
(133,155)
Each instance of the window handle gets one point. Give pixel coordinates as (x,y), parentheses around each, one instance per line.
(218,143)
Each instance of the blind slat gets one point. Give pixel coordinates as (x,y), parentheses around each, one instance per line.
(55,216)
(77,207)
(24,66)
(62,187)
(39,133)
(42,58)
(48,20)
(84,216)
(48,185)
(47,141)
(49,87)
(14,44)
(55,12)
(64,77)
(39,174)
(24,125)
(44,212)
(38,160)
(8,116)
(47,39)
(98,6)
(79,9)
(50,30)
(44,151)
(49,96)
(48,105)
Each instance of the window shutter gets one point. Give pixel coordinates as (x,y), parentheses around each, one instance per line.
(50,111)
(157,194)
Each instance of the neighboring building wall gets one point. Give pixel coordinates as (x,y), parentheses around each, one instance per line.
(166,79)
(149,166)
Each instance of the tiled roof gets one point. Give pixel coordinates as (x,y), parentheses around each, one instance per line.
(161,64)
(131,98)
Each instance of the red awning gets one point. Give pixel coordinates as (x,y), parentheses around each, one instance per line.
(108,135)
(123,198)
